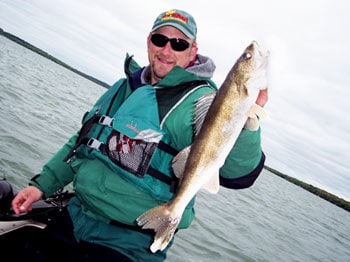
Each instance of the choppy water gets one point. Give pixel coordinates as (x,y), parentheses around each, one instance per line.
(41,106)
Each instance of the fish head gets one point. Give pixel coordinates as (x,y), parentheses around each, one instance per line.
(251,69)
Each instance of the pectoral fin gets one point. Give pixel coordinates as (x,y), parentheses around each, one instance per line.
(254,114)
(179,162)
(257,111)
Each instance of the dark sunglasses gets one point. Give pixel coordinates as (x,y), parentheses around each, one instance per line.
(177,44)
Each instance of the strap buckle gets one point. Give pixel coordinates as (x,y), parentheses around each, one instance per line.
(94,143)
(105,120)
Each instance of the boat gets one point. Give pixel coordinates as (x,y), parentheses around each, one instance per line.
(37,217)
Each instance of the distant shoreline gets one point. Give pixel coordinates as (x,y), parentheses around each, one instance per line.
(46,55)
(317,191)
(340,202)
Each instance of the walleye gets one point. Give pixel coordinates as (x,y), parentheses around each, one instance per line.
(219,119)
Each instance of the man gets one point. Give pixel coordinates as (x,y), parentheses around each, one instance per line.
(120,160)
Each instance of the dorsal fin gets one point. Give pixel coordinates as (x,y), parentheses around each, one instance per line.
(201,109)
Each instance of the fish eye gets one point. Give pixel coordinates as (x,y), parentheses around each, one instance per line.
(246,56)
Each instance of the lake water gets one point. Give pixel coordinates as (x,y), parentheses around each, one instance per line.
(41,107)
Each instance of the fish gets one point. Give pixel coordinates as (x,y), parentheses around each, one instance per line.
(218,121)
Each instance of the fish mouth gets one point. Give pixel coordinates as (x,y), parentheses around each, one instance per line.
(261,54)
(260,65)
(260,50)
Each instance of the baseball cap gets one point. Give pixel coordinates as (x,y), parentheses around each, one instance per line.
(179,19)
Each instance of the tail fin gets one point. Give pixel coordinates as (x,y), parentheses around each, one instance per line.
(159,219)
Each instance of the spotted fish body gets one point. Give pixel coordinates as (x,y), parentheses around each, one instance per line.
(230,109)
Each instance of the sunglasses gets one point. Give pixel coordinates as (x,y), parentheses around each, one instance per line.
(177,44)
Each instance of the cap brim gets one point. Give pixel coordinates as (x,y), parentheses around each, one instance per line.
(181,28)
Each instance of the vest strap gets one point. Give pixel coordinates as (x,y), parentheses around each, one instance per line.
(167,148)
(130,227)
(172,181)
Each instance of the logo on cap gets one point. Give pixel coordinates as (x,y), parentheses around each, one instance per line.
(173,15)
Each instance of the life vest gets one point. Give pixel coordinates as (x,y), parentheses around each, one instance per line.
(131,141)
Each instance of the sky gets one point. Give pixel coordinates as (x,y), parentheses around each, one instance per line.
(307,132)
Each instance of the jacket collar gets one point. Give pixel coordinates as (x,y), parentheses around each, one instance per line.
(202,69)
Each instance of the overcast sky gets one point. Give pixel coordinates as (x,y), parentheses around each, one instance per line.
(307,132)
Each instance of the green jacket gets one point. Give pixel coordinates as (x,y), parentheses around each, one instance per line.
(104,196)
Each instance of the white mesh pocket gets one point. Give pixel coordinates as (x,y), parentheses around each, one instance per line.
(133,155)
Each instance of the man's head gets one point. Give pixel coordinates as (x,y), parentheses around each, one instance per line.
(172,42)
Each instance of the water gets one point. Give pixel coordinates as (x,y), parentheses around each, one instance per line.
(42,104)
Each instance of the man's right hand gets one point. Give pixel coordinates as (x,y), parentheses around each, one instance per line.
(24,199)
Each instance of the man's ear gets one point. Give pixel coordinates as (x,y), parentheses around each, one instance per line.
(148,39)
(194,50)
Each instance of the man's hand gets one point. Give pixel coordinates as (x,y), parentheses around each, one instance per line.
(25,198)
(262,97)
(257,111)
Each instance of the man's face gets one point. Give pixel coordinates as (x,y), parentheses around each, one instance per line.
(163,59)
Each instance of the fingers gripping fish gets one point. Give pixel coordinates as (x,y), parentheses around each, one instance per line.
(219,119)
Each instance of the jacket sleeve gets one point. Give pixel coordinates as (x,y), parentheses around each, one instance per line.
(56,173)
(245,161)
